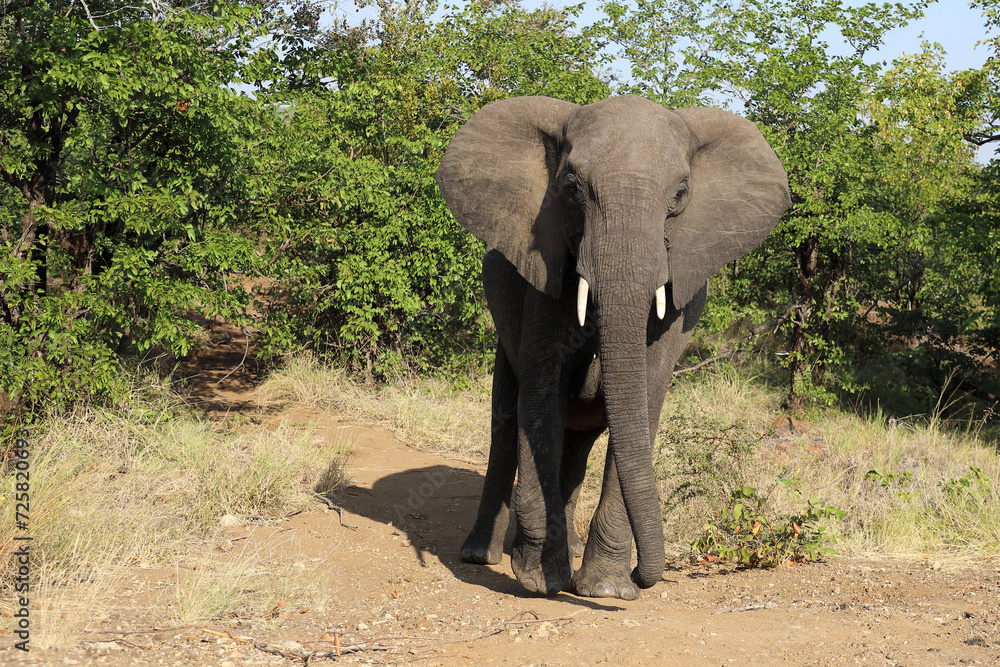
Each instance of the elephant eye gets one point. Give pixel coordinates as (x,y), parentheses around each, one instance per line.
(680,197)
(682,190)
(572,188)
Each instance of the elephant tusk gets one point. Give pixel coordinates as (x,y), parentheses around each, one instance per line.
(581,300)
(661,301)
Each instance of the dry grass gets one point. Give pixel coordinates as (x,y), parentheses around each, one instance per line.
(74,596)
(927,488)
(427,412)
(111,491)
(923,489)
(216,587)
(715,436)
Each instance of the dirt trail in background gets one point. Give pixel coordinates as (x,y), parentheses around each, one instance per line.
(397,592)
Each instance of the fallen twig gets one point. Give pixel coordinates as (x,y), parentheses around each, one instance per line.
(139,632)
(749,607)
(338,508)
(125,642)
(221,633)
(567,617)
(246,351)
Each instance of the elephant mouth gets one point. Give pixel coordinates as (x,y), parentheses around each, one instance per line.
(583,291)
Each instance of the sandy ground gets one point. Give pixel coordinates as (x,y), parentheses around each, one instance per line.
(397,593)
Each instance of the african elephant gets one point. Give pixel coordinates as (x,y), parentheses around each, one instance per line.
(603,224)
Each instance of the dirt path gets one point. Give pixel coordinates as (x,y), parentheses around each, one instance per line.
(395,591)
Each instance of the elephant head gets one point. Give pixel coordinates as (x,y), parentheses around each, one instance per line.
(633,199)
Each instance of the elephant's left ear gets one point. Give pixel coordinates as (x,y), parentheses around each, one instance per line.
(739,190)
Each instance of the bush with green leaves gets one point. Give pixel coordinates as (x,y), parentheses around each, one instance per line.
(120,152)
(747,532)
(874,154)
(370,265)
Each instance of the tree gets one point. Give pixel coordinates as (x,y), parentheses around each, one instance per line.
(119,146)
(666,45)
(989,132)
(371,265)
(870,155)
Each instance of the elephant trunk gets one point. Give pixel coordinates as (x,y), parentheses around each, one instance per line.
(623,307)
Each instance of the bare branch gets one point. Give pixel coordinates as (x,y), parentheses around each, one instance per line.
(981,139)
(90,19)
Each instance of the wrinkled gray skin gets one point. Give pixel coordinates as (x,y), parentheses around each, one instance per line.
(630,197)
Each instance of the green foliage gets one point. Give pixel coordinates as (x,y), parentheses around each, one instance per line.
(119,146)
(664,44)
(747,533)
(972,487)
(889,479)
(142,196)
(874,156)
(370,263)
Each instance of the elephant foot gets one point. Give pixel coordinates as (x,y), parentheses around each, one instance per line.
(480,548)
(595,580)
(540,572)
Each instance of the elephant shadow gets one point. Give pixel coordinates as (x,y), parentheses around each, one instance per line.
(434,507)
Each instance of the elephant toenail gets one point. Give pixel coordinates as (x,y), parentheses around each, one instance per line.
(605,590)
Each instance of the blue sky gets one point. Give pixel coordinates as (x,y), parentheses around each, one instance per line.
(951,23)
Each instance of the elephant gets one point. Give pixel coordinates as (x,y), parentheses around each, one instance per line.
(602,223)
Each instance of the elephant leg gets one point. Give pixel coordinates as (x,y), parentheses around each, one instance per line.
(607,557)
(540,554)
(576,451)
(484,545)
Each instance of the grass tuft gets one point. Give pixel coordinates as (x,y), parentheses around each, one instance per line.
(925,487)
(428,412)
(110,491)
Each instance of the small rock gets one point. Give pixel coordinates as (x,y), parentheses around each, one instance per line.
(362,626)
(542,631)
(104,646)
(230,521)
(289,647)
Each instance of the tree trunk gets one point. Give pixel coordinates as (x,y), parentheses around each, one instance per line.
(807,256)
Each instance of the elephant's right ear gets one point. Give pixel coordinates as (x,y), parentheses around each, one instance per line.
(498,177)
